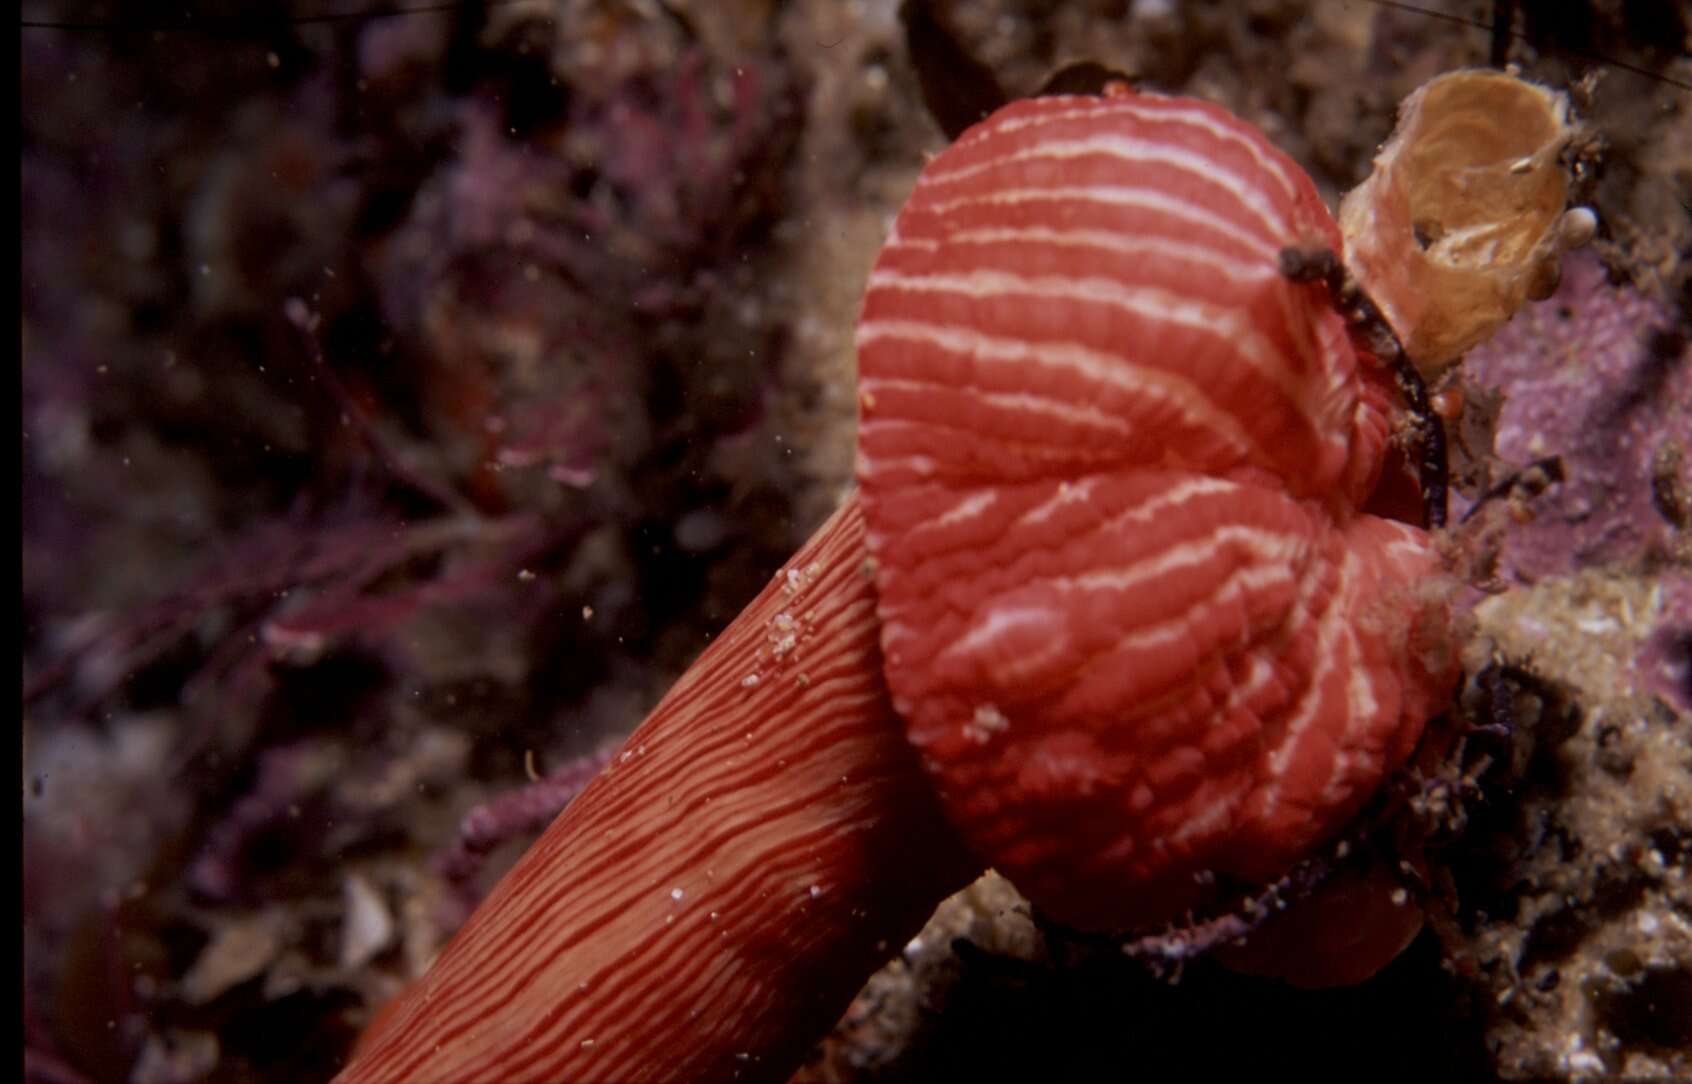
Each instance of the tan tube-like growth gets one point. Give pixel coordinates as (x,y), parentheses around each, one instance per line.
(1462,219)
(762,842)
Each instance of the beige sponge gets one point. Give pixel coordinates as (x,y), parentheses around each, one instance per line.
(1464,215)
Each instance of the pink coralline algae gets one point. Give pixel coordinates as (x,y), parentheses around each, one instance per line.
(1599,378)
(510,816)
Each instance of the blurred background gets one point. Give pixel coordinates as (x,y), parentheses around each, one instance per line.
(411,390)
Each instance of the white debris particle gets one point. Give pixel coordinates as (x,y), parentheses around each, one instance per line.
(796,580)
(783,633)
(369,926)
(677,894)
(987,721)
(587,613)
(750,681)
(1597,625)
(586,1043)
(1581,1060)
(816,891)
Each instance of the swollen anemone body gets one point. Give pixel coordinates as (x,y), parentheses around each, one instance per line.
(1111,465)
(1125,609)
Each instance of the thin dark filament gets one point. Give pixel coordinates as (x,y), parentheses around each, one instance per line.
(1499,28)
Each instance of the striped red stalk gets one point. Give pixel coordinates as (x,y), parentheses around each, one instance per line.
(706,908)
